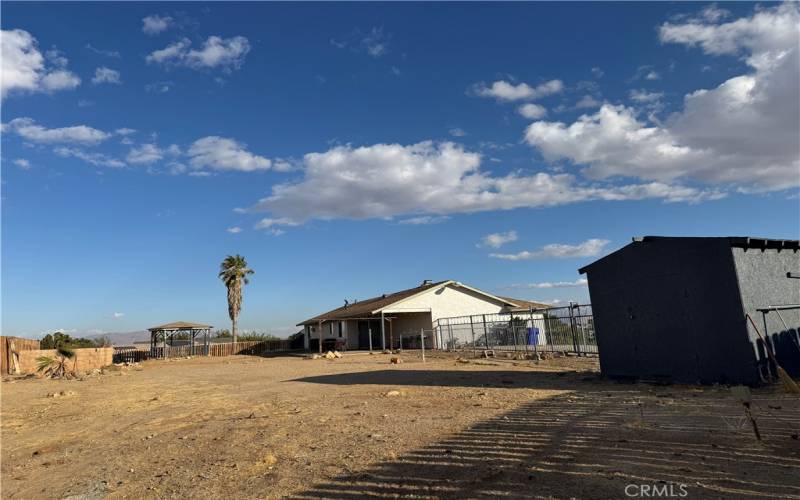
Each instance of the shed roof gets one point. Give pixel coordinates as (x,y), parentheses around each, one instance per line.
(746,242)
(526,304)
(181,325)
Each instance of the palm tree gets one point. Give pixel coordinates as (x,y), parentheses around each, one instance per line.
(233,272)
(55,367)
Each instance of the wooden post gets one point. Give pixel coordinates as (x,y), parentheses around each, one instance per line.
(391,336)
(369,331)
(485,332)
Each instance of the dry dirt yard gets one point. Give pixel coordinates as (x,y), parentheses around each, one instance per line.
(250,427)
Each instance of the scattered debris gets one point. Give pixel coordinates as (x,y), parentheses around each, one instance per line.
(61,394)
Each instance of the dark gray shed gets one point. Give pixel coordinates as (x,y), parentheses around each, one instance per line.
(674,308)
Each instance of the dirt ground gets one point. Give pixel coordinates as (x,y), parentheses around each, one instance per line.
(250,427)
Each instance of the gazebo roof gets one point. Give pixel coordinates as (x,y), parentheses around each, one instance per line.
(180,325)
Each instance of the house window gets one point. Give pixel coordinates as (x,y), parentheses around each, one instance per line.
(340,328)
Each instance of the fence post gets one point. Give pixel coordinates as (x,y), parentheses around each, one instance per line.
(536,337)
(485,332)
(472,329)
(513,330)
(450,344)
(572,327)
(422,342)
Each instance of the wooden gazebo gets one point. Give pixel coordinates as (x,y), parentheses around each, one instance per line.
(162,338)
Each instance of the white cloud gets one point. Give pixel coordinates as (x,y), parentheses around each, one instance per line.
(220,153)
(234,230)
(547,284)
(457,132)
(22,163)
(145,154)
(106,75)
(740,134)
(424,220)
(496,240)
(96,159)
(225,53)
(159,87)
(505,91)
(61,79)
(374,43)
(107,53)
(589,248)
(587,101)
(125,131)
(269,223)
(30,131)
(387,180)
(643,96)
(24,69)
(118,315)
(155,24)
(532,111)
(597,72)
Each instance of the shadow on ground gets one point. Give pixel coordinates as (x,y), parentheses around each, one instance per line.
(590,444)
(461,378)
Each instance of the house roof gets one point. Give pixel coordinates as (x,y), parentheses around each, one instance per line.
(180,325)
(367,308)
(525,305)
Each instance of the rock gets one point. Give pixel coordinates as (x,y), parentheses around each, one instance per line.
(330,355)
(395,360)
(392,394)
(337,354)
(386,351)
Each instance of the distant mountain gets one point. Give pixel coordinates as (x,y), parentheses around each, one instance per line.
(123,338)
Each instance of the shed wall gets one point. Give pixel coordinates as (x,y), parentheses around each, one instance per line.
(671,309)
(763,282)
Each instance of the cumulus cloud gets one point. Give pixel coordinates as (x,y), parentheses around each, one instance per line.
(589,248)
(387,180)
(532,111)
(96,159)
(102,52)
(220,153)
(234,230)
(741,133)
(548,284)
(506,91)
(227,54)
(24,68)
(118,315)
(145,154)
(29,130)
(155,24)
(496,240)
(106,75)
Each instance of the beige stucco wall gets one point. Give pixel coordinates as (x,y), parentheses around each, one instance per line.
(451,301)
(85,360)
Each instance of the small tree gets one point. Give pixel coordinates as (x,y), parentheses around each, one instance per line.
(55,367)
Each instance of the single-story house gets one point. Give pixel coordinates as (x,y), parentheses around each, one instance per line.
(675,308)
(378,322)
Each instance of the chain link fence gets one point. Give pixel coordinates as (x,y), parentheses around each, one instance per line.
(567,329)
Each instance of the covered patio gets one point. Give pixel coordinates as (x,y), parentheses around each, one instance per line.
(163,337)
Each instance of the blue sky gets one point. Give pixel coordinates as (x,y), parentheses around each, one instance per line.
(348,150)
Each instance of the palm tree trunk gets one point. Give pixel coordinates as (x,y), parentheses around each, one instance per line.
(234,330)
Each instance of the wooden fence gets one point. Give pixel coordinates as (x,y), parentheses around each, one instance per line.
(253,348)
(9,345)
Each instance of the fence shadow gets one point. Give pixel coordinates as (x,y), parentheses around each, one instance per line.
(592,445)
